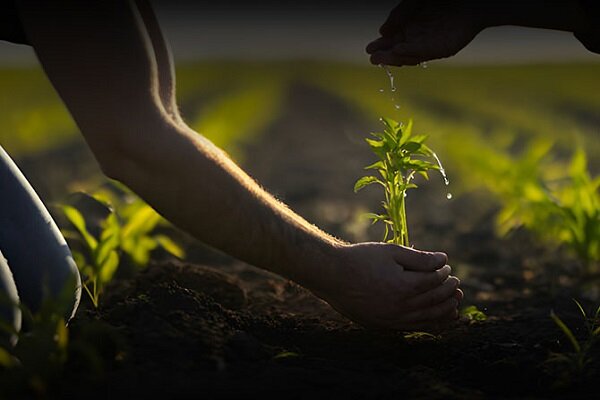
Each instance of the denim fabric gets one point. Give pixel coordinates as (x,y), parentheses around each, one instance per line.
(36,252)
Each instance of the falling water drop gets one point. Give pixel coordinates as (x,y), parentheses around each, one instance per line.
(423,64)
(397,106)
(381,90)
(443,173)
(389,74)
(442,170)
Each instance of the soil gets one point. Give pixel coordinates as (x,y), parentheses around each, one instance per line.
(213,327)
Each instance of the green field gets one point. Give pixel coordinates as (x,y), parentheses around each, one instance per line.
(467,111)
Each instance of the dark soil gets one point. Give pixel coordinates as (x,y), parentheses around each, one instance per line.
(228,330)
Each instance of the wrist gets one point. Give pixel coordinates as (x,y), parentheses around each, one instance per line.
(314,263)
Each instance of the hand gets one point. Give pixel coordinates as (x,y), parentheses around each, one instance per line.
(387,286)
(423,30)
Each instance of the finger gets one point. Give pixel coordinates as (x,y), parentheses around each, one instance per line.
(435,296)
(389,58)
(383,43)
(459,295)
(445,311)
(418,260)
(425,281)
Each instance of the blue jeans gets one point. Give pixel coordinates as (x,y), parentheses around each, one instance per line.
(35,259)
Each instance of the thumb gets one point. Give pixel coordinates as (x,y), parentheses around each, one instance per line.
(418,260)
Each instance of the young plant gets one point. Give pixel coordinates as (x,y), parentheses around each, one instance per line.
(128,230)
(472,313)
(563,209)
(577,360)
(100,259)
(402,156)
(32,366)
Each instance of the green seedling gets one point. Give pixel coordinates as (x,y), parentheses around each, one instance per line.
(472,313)
(563,209)
(100,259)
(402,156)
(128,232)
(139,222)
(35,362)
(577,360)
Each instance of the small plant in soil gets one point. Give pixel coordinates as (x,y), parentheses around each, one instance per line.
(402,156)
(575,362)
(558,202)
(118,233)
(472,313)
(36,360)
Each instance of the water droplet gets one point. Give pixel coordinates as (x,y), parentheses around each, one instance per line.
(397,106)
(389,74)
(442,170)
(449,196)
(423,64)
(381,90)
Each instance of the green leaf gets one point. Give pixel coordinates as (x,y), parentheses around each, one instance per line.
(365,181)
(375,144)
(406,132)
(109,267)
(141,222)
(140,252)
(568,333)
(390,124)
(411,147)
(377,165)
(419,139)
(374,217)
(105,248)
(79,259)
(61,335)
(75,218)
(169,245)
(6,359)
(474,314)
(581,310)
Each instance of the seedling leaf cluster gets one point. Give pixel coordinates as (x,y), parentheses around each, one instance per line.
(127,231)
(402,156)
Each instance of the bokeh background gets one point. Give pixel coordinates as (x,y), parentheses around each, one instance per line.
(286,88)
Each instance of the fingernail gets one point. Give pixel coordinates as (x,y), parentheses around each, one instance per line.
(441,258)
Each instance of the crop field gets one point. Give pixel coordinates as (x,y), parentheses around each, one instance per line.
(165,314)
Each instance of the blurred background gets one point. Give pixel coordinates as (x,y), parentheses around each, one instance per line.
(288,91)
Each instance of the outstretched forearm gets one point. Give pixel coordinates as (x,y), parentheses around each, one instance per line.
(200,189)
(100,58)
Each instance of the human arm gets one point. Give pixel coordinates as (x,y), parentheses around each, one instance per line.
(423,30)
(100,59)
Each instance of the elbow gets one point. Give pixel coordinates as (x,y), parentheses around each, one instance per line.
(112,161)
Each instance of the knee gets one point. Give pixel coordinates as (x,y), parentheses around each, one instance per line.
(10,313)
